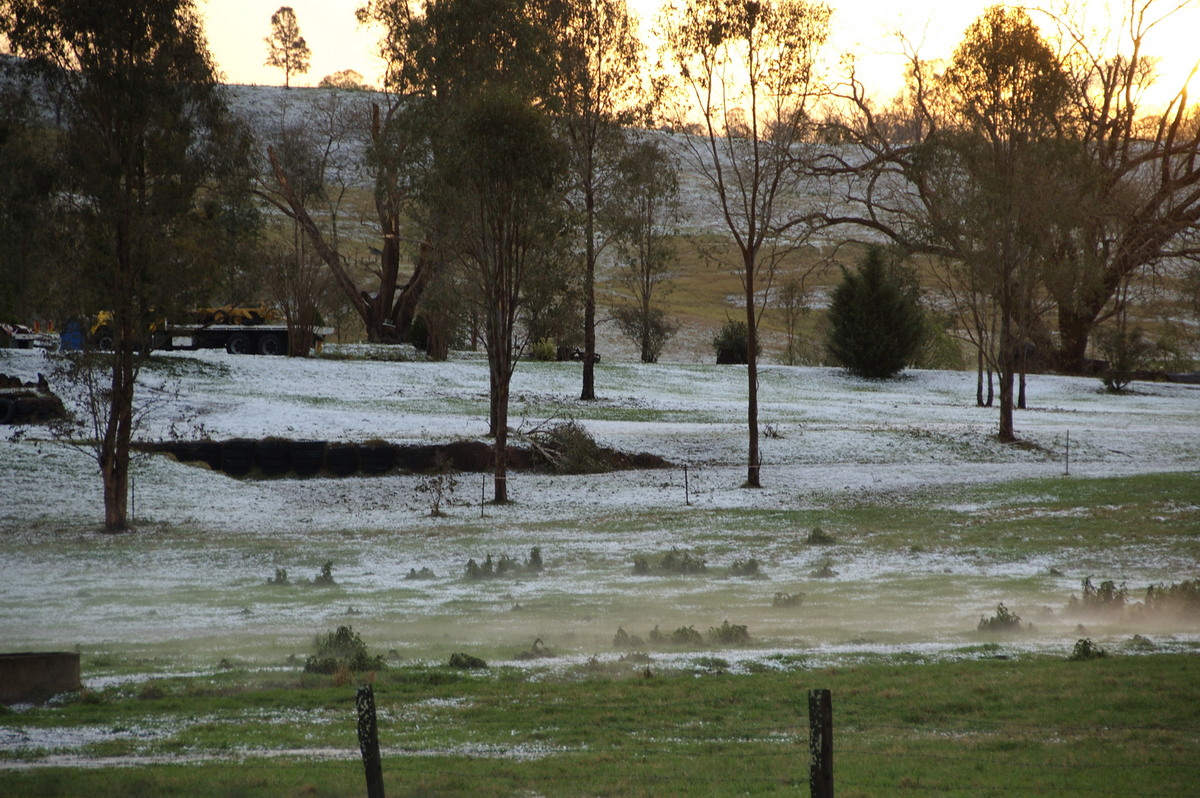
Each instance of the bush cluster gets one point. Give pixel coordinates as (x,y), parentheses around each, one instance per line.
(505,566)
(1003,621)
(732,343)
(568,448)
(342,649)
(726,634)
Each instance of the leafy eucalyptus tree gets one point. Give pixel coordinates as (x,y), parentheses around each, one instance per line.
(286,48)
(980,177)
(477,80)
(597,90)
(498,191)
(644,212)
(144,144)
(747,70)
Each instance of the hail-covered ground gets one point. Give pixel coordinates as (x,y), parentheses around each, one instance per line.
(189,587)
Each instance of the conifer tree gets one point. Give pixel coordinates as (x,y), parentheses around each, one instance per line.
(875,321)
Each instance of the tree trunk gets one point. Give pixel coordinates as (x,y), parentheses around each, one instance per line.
(753,478)
(500,410)
(1007,373)
(115,448)
(979,378)
(589,298)
(1074,330)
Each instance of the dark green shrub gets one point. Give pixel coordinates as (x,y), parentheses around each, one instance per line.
(819,537)
(728,634)
(682,562)
(325,578)
(686,636)
(1085,649)
(505,566)
(1105,599)
(342,649)
(1002,621)
(281,577)
(732,343)
(745,567)
(1182,598)
(623,641)
(673,562)
(875,322)
(787,600)
(466,662)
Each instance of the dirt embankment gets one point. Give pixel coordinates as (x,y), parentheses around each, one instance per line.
(277,457)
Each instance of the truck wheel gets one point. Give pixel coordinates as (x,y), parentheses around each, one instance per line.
(104,340)
(8,410)
(272,345)
(238,344)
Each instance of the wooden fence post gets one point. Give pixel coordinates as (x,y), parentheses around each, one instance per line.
(368,740)
(820,744)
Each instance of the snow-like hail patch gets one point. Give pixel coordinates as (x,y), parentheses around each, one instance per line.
(191,586)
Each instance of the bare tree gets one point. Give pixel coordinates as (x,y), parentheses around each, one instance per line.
(477,81)
(310,187)
(1142,168)
(791,300)
(747,70)
(286,48)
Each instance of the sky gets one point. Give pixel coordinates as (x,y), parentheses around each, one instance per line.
(236,29)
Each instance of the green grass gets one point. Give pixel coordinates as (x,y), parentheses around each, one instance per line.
(1122,725)
(977,717)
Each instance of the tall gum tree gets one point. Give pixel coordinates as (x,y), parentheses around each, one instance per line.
(142,130)
(499,189)
(1142,203)
(975,170)
(286,48)
(1124,183)
(1006,92)
(597,90)
(747,71)
(476,78)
